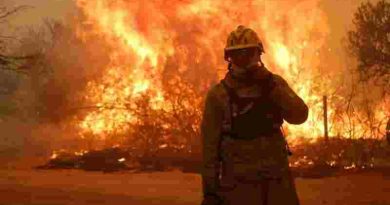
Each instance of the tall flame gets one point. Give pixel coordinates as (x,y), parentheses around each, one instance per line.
(149,37)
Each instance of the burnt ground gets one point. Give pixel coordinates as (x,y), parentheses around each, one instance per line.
(44,187)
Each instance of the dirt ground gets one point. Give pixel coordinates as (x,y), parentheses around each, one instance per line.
(73,187)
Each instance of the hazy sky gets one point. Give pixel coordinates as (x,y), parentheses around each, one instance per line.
(41,9)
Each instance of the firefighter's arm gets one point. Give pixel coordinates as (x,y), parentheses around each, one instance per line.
(294,109)
(210,133)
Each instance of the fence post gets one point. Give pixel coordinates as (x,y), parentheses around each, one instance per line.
(325,102)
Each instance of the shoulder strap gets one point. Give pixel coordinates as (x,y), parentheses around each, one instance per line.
(233,96)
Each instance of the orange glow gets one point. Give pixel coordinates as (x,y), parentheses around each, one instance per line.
(151,36)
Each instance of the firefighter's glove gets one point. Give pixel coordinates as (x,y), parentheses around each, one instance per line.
(211,199)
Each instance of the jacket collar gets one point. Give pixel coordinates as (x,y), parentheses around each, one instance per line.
(260,74)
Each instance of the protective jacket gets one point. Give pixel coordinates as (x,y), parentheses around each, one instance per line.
(241,167)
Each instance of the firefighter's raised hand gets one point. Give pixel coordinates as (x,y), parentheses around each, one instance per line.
(294,109)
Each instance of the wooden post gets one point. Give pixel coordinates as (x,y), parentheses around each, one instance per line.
(325,101)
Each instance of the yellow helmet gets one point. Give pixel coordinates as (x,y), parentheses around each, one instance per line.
(241,38)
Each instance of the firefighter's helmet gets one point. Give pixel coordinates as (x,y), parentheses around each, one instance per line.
(242,38)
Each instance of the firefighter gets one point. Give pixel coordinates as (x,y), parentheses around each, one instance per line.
(245,157)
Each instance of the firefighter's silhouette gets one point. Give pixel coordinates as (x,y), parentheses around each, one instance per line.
(244,151)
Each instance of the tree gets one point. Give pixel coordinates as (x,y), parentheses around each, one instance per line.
(9,62)
(369,41)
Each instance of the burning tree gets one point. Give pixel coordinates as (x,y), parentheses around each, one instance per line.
(369,41)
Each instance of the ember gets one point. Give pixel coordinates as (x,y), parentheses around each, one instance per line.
(100,160)
(313,160)
(120,158)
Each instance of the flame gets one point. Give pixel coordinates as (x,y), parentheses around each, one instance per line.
(54,155)
(353,166)
(149,37)
(80,153)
